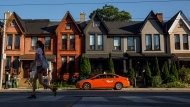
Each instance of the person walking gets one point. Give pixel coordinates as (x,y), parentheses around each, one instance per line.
(39,70)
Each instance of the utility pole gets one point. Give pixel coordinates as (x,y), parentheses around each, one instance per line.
(6,16)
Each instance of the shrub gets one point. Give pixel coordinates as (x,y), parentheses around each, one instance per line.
(156,81)
(156,70)
(85,68)
(147,75)
(165,73)
(173,70)
(171,78)
(110,66)
(131,75)
(176,84)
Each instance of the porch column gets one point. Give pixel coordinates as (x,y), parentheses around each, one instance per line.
(124,66)
(50,69)
(130,63)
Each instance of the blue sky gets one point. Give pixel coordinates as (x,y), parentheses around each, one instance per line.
(139,10)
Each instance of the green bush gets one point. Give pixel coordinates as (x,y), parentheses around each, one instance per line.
(184,75)
(165,73)
(110,65)
(147,75)
(171,78)
(176,84)
(85,67)
(173,70)
(156,81)
(131,75)
(156,71)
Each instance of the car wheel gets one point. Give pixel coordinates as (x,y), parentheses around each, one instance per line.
(86,86)
(118,86)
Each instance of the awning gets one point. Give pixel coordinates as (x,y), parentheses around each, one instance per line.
(32,56)
(182,56)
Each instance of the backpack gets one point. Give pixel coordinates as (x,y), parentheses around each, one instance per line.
(45,64)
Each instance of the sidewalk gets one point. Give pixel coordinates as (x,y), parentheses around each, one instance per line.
(124,89)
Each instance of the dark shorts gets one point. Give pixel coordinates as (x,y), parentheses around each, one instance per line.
(40,70)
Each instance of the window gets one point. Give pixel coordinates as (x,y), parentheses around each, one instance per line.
(64,42)
(96,24)
(92,42)
(100,44)
(16,64)
(177,41)
(100,76)
(33,45)
(17,41)
(72,65)
(111,76)
(130,44)
(64,65)
(9,41)
(156,42)
(72,42)
(8,62)
(185,41)
(68,26)
(47,43)
(148,42)
(117,43)
(13,23)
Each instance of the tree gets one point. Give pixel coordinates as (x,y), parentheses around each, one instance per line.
(156,71)
(84,67)
(131,75)
(165,73)
(111,13)
(110,66)
(173,70)
(147,75)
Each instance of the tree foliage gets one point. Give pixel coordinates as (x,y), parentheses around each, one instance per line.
(111,13)
(173,70)
(147,75)
(156,70)
(110,66)
(165,73)
(131,75)
(85,67)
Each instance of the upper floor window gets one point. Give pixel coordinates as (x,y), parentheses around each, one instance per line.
(156,42)
(47,43)
(13,23)
(8,62)
(92,42)
(177,41)
(17,41)
(72,64)
(33,43)
(72,42)
(100,44)
(68,26)
(148,42)
(130,43)
(117,43)
(64,64)
(96,24)
(185,41)
(64,42)
(9,41)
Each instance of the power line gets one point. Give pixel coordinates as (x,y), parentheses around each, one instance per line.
(97,3)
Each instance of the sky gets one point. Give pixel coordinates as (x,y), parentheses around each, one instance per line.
(56,9)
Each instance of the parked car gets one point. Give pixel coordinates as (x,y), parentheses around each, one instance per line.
(104,81)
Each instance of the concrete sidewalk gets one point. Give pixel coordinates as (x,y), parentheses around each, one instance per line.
(124,89)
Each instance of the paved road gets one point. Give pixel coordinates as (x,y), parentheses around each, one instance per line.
(97,98)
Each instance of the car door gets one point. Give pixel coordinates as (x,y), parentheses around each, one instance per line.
(99,81)
(110,80)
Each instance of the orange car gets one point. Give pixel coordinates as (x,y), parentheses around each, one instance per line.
(104,81)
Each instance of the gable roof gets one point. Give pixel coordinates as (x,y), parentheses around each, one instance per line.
(170,25)
(123,27)
(152,16)
(91,20)
(66,15)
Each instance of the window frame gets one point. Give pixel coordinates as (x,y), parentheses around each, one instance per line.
(96,23)
(13,23)
(68,26)
(63,64)
(9,44)
(157,41)
(148,47)
(100,45)
(92,45)
(185,47)
(33,47)
(117,47)
(129,47)
(64,42)
(47,47)
(72,42)
(177,44)
(15,45)
(8,66)
(71,64)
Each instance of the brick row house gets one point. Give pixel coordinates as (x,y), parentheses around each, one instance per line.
(131,43)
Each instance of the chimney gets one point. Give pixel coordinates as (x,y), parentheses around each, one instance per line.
(82,16)
(159,16)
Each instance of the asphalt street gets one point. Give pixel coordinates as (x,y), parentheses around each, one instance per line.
(97,98)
